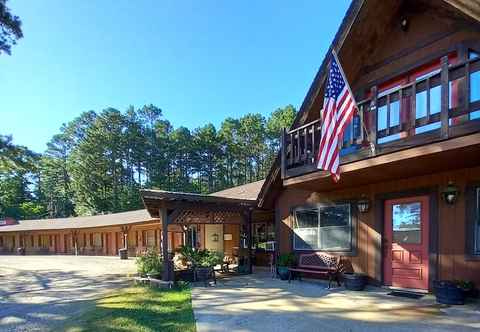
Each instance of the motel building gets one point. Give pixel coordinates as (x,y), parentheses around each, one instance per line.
(406,210)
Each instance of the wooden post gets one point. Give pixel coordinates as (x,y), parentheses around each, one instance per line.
(283,149)
(373,120)
(445,97)
(249,239)
(166,263)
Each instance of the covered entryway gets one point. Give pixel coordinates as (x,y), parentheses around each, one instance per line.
(221,224)
(406,242)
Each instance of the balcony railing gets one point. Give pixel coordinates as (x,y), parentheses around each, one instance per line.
(441,105)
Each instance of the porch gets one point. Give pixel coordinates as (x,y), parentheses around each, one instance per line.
(232,227)
(256,302)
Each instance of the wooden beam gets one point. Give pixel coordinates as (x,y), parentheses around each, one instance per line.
(445,105)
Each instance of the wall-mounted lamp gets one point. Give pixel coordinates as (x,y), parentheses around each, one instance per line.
(450,193)
(404,24)
(215,237)
(363,204)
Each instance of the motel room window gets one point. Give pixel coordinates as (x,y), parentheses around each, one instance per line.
(323,228)
(97,240)
(150,238)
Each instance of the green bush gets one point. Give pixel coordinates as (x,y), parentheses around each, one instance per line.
(201,257)
(286,260)
(150,262)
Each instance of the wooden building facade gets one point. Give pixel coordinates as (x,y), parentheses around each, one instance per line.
(414,68)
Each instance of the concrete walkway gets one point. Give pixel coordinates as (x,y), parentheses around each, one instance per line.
(260,303)
(38,293)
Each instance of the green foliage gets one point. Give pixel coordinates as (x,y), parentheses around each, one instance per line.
(200,257)
(10,28)
(99,160)
(149,262)
(286,260)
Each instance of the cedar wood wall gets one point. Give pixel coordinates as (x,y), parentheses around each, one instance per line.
(451,221)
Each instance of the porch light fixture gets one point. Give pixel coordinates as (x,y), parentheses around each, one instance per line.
(215,237)
(450,193)
(363,204)
(404,23)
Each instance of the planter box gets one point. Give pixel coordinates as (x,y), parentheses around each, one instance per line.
(355,281)
(282,272)
(448,292)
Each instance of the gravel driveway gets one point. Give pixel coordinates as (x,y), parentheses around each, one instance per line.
(38,293)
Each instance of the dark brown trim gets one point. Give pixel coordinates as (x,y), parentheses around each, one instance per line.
(432,192)
(471,215)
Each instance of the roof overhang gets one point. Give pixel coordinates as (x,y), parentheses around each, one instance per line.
(157,199)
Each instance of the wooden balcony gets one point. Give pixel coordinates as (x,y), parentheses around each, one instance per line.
(442,105)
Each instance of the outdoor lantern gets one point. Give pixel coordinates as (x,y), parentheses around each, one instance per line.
(363,204)
(450,193)
(215,237)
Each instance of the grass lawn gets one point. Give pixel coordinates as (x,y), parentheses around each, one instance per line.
(139,309)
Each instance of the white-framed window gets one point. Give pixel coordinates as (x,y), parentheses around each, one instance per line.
(323,228)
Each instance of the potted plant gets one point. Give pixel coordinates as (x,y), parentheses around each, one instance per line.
(284,262)
(202,261)
(149,264)
(467,287)
(354,281)
(448,292)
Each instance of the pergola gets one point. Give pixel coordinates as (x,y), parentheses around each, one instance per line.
(175,208)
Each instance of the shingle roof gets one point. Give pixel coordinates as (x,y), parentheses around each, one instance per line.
(247,191)
(104,220)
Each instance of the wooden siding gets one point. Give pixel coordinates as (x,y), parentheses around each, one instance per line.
(453,262)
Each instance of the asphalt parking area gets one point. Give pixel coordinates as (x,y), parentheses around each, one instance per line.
(38,293)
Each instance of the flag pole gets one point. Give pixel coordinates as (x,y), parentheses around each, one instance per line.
(344,77)
(353,96)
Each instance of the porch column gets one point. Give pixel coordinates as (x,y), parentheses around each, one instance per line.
(248,219)
(166,263)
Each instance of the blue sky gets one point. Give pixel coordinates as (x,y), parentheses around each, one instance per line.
(200,61)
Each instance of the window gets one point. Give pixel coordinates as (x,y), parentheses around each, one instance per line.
(150,238)
(326,228)
(263,236)
(406,223)
(97,240)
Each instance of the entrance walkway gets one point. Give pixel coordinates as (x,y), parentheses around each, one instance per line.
(37,293)
(259,303)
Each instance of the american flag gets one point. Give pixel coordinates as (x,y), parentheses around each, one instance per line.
(338,109)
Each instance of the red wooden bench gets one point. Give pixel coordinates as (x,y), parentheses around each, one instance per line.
(319,264)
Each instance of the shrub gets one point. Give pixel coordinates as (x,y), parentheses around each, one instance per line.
(149,262)
(286,260)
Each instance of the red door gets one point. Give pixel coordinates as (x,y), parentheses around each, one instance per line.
(406,242)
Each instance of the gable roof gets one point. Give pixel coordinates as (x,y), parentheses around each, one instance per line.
(247,191)
(273,182)
(104,220)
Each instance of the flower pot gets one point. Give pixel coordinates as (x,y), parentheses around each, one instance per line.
(154,275)
(123,253)
(447,292)
(355,281)
(203,273)
(282,272)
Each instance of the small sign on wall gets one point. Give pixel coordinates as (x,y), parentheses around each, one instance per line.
(227,237)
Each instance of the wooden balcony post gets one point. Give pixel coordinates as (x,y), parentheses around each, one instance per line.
(445,97)
(373,119)
(283,150)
